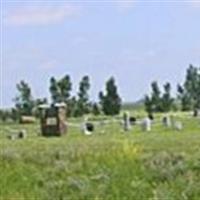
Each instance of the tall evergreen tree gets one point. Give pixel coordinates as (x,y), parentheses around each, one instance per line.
(60,92)
(148,104)
(83,104)
(54,90)
(184,99)
(111,101)
(189,93)
(24,101)
(65,87)
(159,102)
(192,86)
(167,100)
(95,109)
(156,97)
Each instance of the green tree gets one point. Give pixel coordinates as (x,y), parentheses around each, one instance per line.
(37,102)
(167,100)
(96,109)
(15,115)
(65,87)
(54,91)
(184,99)
(159,102)
(24,101)
(111,101)
(156,97)
(189,93)
(192,86)
(71,107)
(148,104)
(4,115)
(83,104)
(60,91)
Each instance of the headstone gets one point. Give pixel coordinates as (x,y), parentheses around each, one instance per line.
(22,134)
(167,121)
(173,120)
(126,123)
(12,137)
(87,127)
(146,125)
(53,119)
(150,116)
(178,126)
(196,113)
(133,120)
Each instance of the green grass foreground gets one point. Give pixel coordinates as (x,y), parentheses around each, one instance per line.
(163,164)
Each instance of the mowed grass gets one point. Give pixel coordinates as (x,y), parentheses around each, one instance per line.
(163,164)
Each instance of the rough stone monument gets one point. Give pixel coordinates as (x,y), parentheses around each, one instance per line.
(53,119)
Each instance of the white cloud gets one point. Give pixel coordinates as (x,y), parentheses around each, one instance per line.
(39,15)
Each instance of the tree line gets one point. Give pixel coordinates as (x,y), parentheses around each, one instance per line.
(187,98)
(109,101)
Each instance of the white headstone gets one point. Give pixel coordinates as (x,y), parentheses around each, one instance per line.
(126,123)
(84,127)
(167,121)
(178,126)
(12,137)
(146,125)
(22,134)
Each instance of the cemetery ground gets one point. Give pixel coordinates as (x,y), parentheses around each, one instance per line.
(163,164)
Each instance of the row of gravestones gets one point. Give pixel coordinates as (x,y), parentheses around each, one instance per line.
(128,122)
(146,124)
(15,135)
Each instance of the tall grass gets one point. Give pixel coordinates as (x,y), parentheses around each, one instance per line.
(163,164)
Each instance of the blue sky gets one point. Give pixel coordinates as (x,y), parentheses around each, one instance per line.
(137,42)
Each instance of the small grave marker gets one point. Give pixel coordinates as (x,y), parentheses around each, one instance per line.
(126,121)
(167,121)
(146,125)
(178,126)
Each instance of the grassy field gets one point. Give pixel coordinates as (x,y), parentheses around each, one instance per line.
(162,165)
